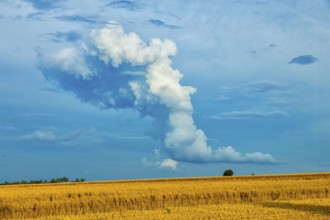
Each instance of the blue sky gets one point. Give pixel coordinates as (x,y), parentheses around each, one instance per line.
(143,89)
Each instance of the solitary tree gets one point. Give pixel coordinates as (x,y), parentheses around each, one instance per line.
(228,173)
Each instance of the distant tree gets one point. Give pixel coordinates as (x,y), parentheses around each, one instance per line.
(78,180)
(62,180)
(35,181)
(228,172)
(53,181)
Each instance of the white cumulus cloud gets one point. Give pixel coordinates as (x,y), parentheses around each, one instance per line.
(164,164)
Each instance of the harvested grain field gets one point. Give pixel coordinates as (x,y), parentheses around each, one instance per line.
(296,196)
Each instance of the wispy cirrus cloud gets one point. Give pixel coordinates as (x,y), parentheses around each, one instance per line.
(45,4)
(49,135)
(256,87)
(263,86)
(30,115)
(161,23)
(80,18)
(7,128)
(263,92)
(126,4)
(62,36)
(250,115)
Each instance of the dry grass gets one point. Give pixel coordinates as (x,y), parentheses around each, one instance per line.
(300,196)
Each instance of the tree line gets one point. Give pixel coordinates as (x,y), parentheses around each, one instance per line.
(54,180)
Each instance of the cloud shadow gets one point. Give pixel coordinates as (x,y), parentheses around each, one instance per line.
(317,209)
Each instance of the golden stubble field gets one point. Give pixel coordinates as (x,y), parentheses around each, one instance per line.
(296,196)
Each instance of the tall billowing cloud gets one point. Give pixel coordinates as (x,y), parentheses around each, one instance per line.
(118,70)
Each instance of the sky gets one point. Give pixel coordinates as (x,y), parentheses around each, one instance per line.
(134,89)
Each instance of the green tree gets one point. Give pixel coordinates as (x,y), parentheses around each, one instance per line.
(53,180)
(63,179)
(228,172)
